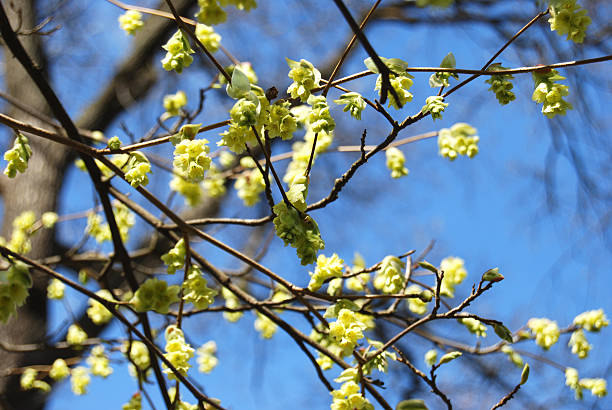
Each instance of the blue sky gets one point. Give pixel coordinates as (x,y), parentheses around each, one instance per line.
(490,210)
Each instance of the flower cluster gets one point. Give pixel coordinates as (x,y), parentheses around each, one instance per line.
(358,283)
(401,84)
(214,182)
(353,103)
(417,305)
(138,355)
(592,321)
(17,156)
(302,150)
(131,21)
(281,123)
(196,291)
(59,370)
(175,258)
(550,93)
(326,268)
(191,191)
(440,79)
(395,162)
(101,232)
(305,77)
(28,381)
(14,285)
(298,230)
(250,183)
(137,168)
(207,36)
(389,277)
(79,380)
(49,219)
(23,228)
(96,311)
(211,12)
(501,84)
(191,159)
(174,102)
(598,387)
(265,326)
(55,289)
(435,105)
(231,302)
(380,362)
(579,344)
(567,17)
(75,335)
(178,53)
(178,351)
(98,362)
(236,138)
(206,357)
(460,139)
(155,294)
(135,403)
(349,395)
(346,331)
(319,118)
(546,331)
(454,274)
(474,326)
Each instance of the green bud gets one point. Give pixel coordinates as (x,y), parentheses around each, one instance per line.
(428,266)
(503,332)
(426,295)
(449,357)
(114,143)
(525,374)
(411,404)
(492,275)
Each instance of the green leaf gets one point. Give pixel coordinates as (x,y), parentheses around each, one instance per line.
(240,84)
(411,404)
(394,64)
(428,266)
(503,332)
(448,61)
(333,310)
(492,275)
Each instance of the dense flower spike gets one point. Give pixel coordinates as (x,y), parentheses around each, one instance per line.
(175,258)
(501,84)
(131,21)
(474,326)
(347,331)
(14,285)
(546,331)
(395,162)
(401,84)
(98,362)
(390,276)
(266,327)
(592,321)
(28,381)
(550,93)
(96,311)
(137,168)
(435,105)
(17,156)
(196,291)
(178,351)
(178,53)
(353,103)
(568,18)
(191,159)
(155,294)
(250,183)
(208,37)
(326,268)
(59,370)
(231,302)
(579,344)
(298,230)
(79,380)
(55,289)
(454,274)
(319,118)
(305,77)
(460,139)
(173,103)
(206,357)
